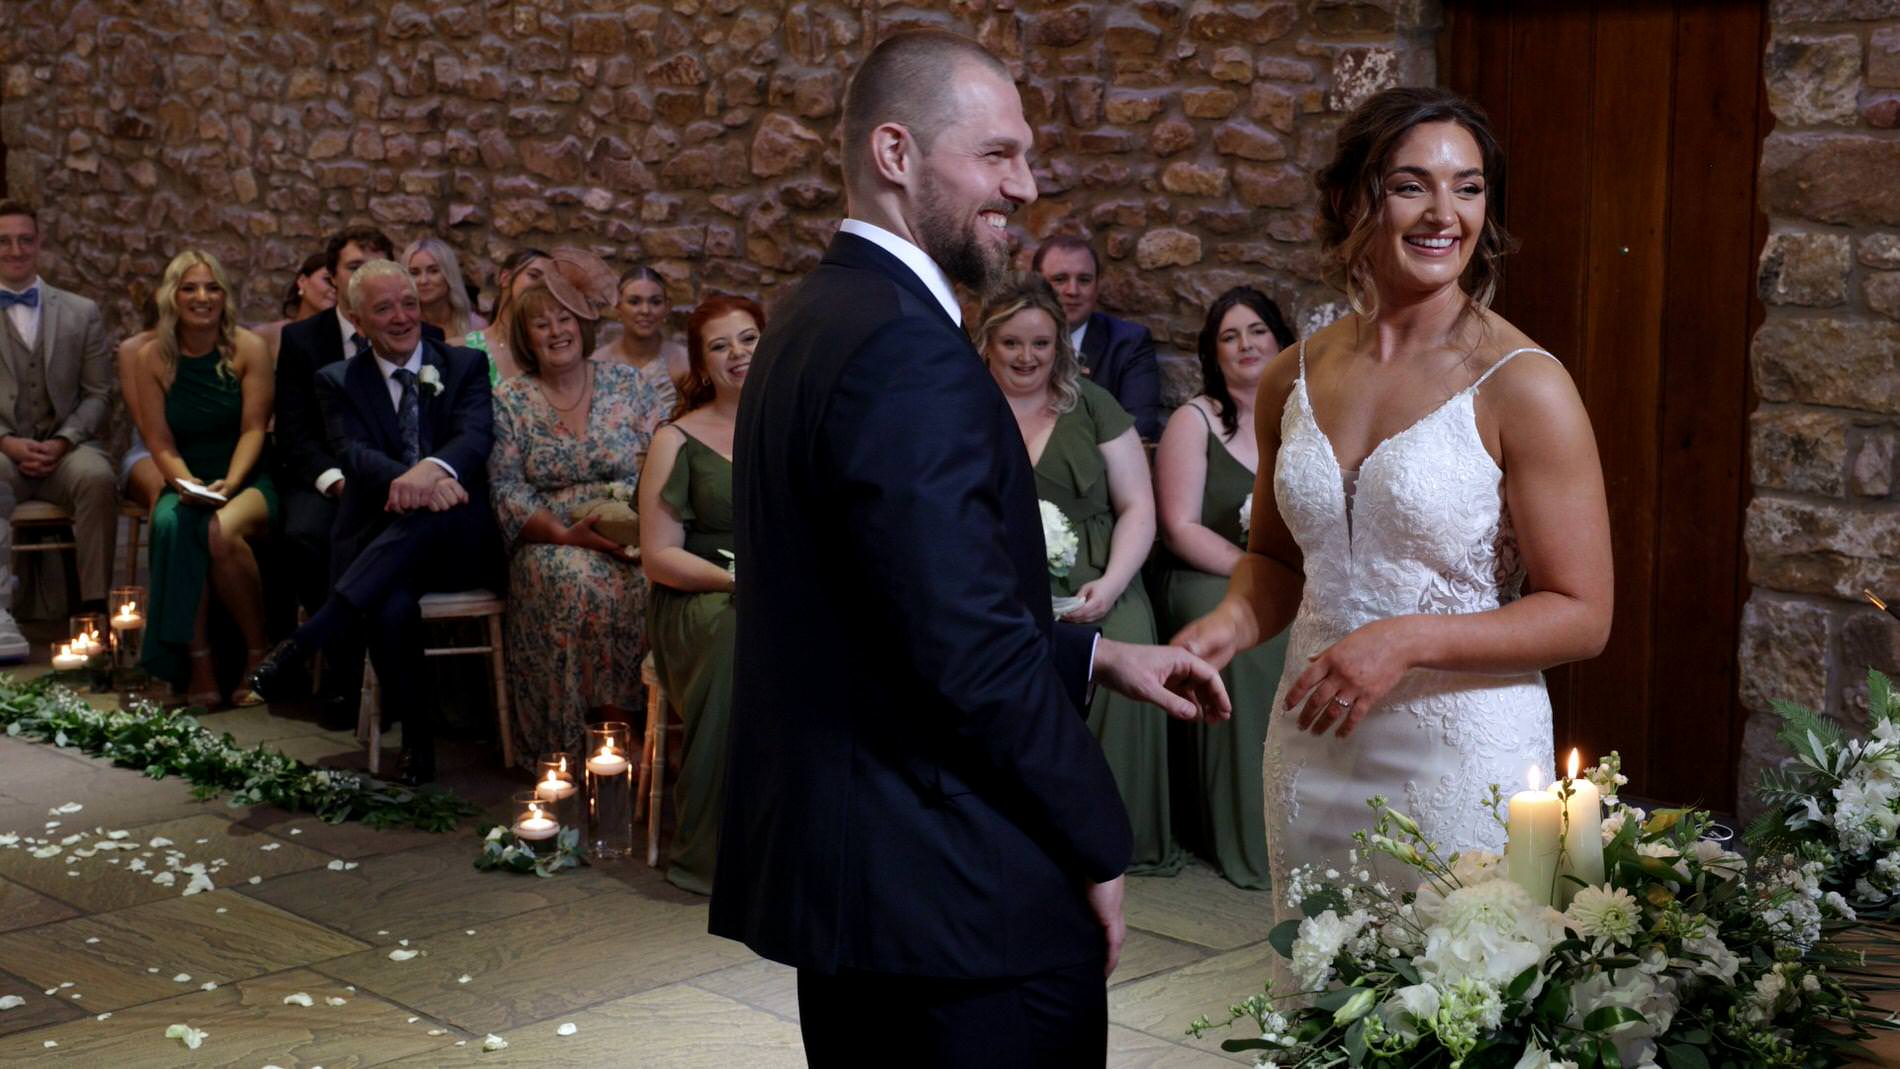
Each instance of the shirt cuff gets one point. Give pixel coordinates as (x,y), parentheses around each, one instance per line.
(1093,646)
(328,479)
(444,465)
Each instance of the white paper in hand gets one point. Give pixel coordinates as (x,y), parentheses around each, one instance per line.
(192,488)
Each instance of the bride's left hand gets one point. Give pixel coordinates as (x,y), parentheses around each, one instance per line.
(1347,680)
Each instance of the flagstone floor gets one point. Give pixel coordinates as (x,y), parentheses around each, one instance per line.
(613,949)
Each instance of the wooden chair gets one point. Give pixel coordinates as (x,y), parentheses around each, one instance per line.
(462,605)
(138,515)
(43,527)
(649,795)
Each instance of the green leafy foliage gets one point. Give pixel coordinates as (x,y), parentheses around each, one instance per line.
(501,850)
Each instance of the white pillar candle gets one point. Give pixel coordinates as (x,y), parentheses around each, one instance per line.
(553,789)
(127,619)
(1583,835)
(1534,831)
(607,762)
(536,828)
(66,660)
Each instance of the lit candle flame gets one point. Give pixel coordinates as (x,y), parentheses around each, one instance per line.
(1573,764)
(65,649)
(553,780)
(128,609)
(563,764)
(607,749)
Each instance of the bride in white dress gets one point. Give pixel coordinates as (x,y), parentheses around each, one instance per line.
(1433,524)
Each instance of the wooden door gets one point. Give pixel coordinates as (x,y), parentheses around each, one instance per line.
(1632,133)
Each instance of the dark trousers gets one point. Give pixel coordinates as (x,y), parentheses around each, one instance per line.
(1051,1020)
(417,553)
(309,522)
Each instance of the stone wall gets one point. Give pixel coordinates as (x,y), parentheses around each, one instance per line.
(698,136)
(1825,521)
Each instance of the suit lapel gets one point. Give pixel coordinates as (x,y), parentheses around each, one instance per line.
(849,250)
(369,391)
(1094,342)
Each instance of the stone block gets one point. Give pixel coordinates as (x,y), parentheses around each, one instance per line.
(1804,268)
(1880,250)
(1881,291)
(1231,64)
(1880,110)
(1220,20)
(1813,80)
(1832,178)
(1883,58)
(1816,547)
(1783,655)
(1347,18)
(1171,137)
(811,95)
(1274,105)
(1247,141)
(1799,449)
(1360,72)
(1262,186)
(674,242)
(1209,102)
(783,144)
(1194,180)
(402,209)
(1105,141)
(1063,27)
(1785,11)
(1870,469)
(1869,639)
(1167,247)
(601,33)
(1180,378)
(1082,97)
(1125,108)
(1129,34)
(682,69)
(1847,363)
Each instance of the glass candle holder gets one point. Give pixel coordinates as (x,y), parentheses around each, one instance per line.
(559,788)
(534,825)
(88,631)
(127,623)
(610,787)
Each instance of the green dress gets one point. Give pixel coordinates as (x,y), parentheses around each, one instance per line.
(1231,822)
(1073,476)
(692,636)
(204,409)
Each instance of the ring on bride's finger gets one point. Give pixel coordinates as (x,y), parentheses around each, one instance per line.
(1343,703)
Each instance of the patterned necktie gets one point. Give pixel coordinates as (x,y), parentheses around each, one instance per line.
(31,298)
(409,417)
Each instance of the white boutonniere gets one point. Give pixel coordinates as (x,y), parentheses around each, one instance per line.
(430,378)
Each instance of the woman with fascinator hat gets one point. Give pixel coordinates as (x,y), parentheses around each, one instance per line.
(570,437)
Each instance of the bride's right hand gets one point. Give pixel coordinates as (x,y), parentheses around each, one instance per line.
(1212,638)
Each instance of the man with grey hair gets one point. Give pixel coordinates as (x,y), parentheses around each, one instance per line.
(917,816)
(410,425)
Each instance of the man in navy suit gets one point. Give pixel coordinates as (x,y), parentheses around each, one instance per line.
(1116,355)
(410,425)
(309,477)
(917,817)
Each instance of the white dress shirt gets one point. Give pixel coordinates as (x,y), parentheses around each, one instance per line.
(414,366)
(27,320)
(331,476)
(912,257)
(1075,338)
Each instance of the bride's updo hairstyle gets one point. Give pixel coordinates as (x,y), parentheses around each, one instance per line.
(1352,189)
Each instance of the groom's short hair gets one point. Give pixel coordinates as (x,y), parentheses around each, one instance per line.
(907,79)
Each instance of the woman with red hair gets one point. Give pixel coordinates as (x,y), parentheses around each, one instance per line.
(686,543)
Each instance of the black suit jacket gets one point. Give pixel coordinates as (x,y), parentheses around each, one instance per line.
(1120,358)
(458,423)
(302,444)
(912,787)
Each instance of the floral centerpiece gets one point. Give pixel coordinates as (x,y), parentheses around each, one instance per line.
(1837,804)
(1684,957)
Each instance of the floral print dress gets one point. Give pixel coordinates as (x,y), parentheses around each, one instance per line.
(575,629)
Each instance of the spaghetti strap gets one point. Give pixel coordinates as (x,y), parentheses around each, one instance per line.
(1508,357)
(1204,419)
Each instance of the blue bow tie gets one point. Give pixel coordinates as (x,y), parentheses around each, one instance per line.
(31,298)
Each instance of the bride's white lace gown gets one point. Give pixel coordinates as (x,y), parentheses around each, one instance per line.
(1423,529)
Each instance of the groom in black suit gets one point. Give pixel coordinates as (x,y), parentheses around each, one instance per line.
(917,817)
(410,425)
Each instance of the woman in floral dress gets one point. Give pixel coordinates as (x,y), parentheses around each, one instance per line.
(568,431)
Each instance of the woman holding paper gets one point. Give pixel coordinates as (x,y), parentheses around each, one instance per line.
(204,391)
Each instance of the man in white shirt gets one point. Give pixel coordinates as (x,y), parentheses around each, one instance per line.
(55,383)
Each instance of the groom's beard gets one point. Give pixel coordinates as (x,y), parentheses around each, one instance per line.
(957,247)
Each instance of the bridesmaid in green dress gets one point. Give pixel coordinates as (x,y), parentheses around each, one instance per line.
(204,398)
(686,545)
(1204,475)
(1090,464)
(522,269)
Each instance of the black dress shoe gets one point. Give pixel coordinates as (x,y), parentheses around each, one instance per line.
(281,676)
(336,712)
(415,767)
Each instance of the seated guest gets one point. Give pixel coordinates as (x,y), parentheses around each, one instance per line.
(139,478)
(311,292)
(643,343)
(309,474)
(1204,473)
(522,269)
(1089,463)
(203,387)
(55,385)
(686,542)
(1116,355)
(412,426)
(569,433)
(438,278)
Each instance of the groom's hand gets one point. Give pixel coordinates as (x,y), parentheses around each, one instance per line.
(1105,901)
(1183,685)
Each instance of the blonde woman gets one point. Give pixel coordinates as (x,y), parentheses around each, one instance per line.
(439,287)
(204,389)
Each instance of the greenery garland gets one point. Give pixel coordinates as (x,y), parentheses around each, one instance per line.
(502,850)
(161,744)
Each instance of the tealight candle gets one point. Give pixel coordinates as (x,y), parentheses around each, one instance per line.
(608,761)
(126,618)
(64,659)
(554,788)
(536,826)
(1534,832)
(1583,834)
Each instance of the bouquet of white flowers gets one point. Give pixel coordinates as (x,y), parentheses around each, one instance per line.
(1058,539)
(1681,959)
(1246,516)
(1838,802)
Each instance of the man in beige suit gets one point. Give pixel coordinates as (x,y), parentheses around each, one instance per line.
(55,381)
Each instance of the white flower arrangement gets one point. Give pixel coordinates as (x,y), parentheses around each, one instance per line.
(1058,539)
(430,379)
(1681,959)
